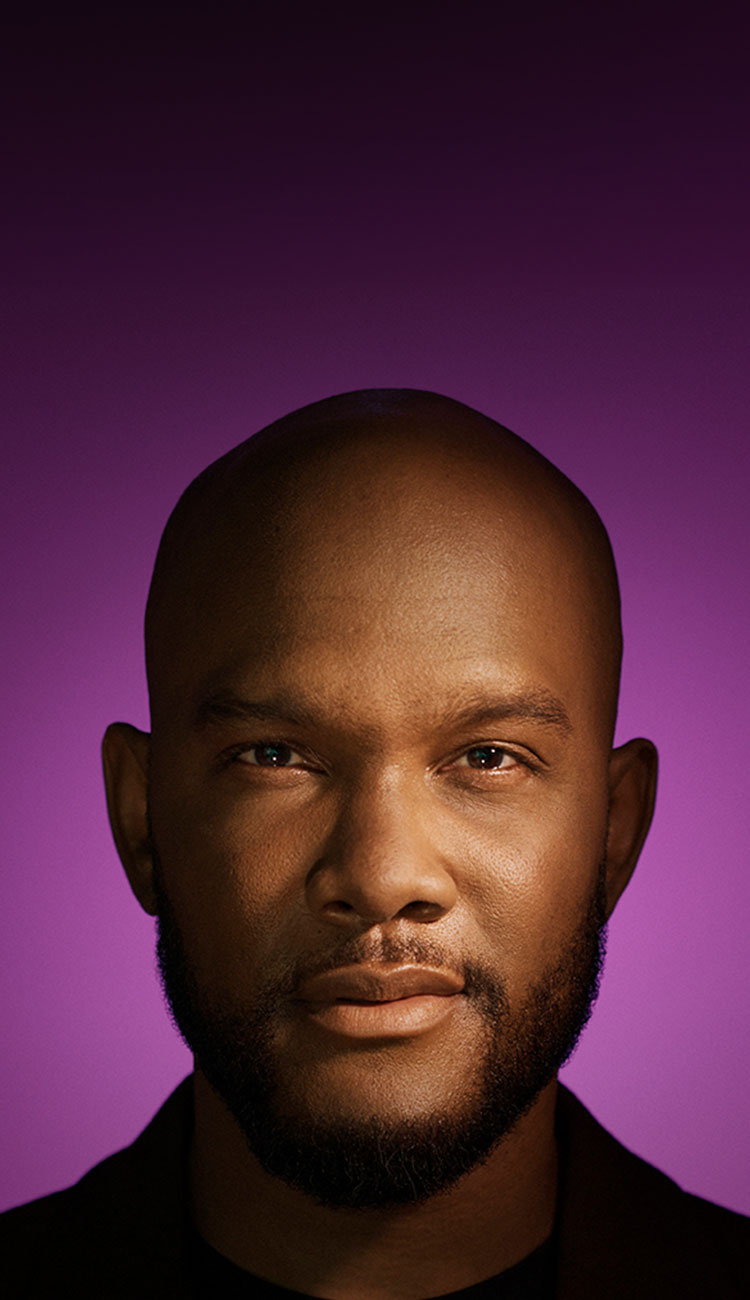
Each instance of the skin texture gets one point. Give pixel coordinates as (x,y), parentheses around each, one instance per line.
(379,570)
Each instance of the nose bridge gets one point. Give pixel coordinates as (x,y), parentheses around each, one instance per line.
(381,859)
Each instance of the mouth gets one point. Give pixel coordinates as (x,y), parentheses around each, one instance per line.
(380,1001)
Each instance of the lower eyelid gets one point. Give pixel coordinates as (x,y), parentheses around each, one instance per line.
(246,753)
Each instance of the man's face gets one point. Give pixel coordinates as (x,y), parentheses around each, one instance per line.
(379,808)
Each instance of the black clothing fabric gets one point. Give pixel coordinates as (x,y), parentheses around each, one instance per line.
(217,1278)
(624,1231)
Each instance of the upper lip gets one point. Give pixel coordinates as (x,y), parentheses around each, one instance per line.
(371,982)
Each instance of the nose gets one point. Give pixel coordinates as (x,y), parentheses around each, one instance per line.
(380,863)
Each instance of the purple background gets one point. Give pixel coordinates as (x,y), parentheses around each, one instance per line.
(545,216)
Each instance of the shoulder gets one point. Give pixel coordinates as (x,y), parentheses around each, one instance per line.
(117,1232)
(623,1221)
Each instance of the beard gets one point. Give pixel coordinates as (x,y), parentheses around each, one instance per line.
(378,1162)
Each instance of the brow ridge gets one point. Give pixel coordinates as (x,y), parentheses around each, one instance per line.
(536,705)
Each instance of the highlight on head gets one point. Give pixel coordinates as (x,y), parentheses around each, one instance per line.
(397,431)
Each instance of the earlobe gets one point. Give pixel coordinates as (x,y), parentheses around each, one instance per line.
(125,752)
(632,793)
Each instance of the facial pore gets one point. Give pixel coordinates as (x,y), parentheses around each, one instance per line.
(376,1163)
(304,495)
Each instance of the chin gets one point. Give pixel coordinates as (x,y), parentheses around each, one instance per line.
(369,1123)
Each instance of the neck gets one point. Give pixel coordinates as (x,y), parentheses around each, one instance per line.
(495,1216)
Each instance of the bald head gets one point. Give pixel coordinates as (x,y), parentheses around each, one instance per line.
(383,650)
(394,493)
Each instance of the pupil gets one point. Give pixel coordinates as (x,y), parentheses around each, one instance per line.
(485,756)
(272,755)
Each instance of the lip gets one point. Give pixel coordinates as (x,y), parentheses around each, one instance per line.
(372,982)
(367,1000)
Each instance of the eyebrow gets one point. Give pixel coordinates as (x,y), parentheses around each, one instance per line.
(539,706)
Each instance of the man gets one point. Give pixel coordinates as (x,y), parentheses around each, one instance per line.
(382,828)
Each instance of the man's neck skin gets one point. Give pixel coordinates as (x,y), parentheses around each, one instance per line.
(490,1221)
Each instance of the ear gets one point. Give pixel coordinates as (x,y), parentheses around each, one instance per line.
(632,793)
(125,752)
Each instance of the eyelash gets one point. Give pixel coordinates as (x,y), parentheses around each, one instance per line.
(234,755)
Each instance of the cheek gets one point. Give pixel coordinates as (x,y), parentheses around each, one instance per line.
(235,869)
(530,878)
(234,877)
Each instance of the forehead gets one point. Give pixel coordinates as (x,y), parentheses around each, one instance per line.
(400,580)
(380,510)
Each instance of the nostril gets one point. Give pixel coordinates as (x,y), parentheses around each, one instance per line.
(422,910)
(338,907)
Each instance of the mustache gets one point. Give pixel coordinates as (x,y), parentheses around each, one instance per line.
(487,990)
(387,949)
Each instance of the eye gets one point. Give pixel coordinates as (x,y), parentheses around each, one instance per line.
(270,753)
(489,758)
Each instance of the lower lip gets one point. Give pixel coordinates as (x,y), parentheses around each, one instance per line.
(402,1018)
